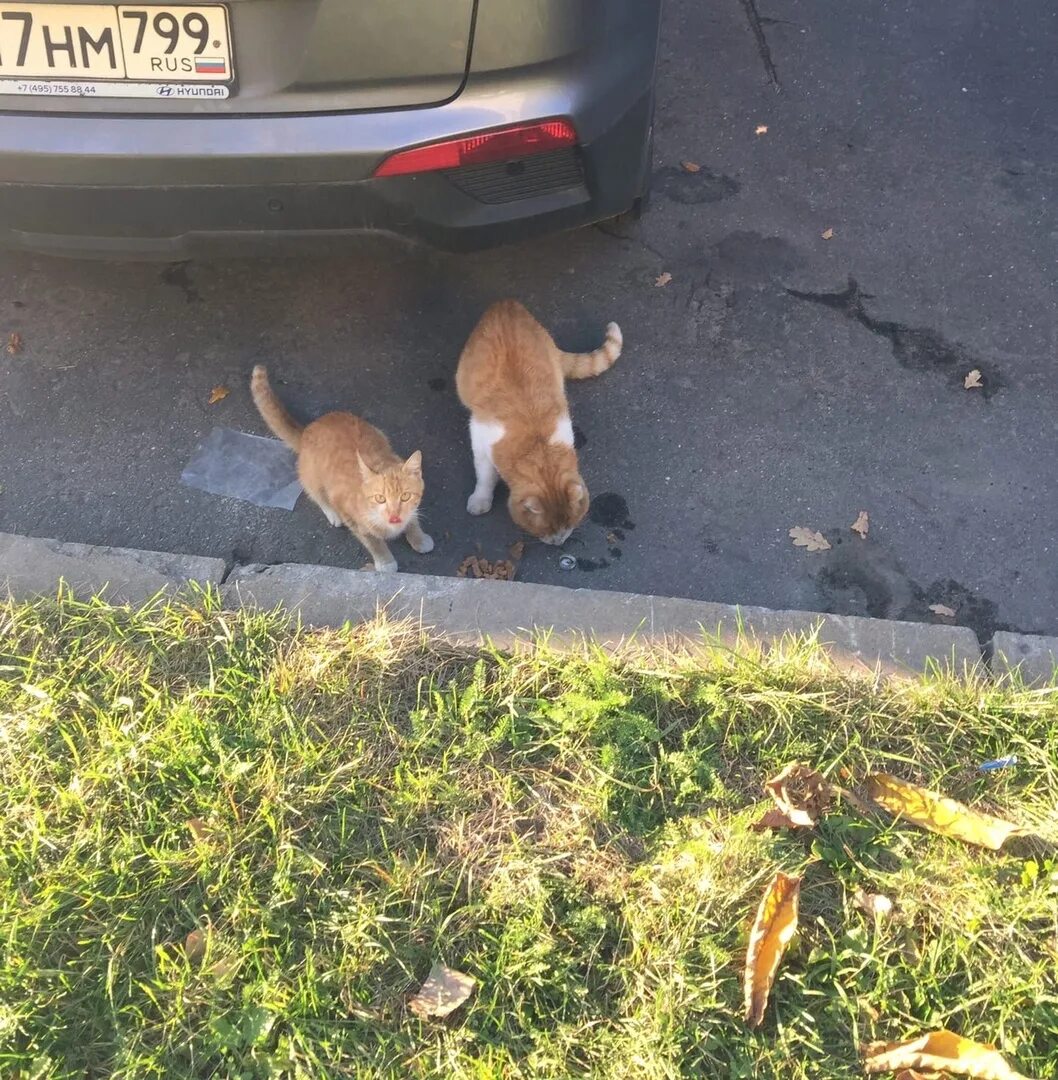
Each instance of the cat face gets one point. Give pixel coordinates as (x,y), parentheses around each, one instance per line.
(392,496)
(550,512)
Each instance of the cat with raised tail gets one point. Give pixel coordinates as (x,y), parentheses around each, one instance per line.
(511,377)
(351,473)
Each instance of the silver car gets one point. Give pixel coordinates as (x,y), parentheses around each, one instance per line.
(168,130)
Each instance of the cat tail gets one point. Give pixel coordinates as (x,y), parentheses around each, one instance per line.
(271,409)
(585,365)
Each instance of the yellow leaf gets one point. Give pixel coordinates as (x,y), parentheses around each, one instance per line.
(861,524)
(218,393)
(807,538)
(762,129)
(443,992)
(942,609)
(662,279)
(828,234)
(938,813)
(800,793)
(690,166)
(940,1051)
(773,929)
(973,379)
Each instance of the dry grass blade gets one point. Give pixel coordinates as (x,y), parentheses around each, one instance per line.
(938,813)
(940,1052)
(773,929)
(443,992)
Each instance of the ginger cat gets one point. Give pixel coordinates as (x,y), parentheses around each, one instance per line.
(348,469)
(511,377)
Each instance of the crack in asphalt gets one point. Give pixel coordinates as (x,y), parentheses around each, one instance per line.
(763,49)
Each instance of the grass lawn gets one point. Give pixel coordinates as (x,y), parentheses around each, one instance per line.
(328,814)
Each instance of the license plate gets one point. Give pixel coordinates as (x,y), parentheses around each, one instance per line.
(115,50)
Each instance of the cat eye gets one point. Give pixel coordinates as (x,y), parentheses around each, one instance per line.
(380,498)
(406,496)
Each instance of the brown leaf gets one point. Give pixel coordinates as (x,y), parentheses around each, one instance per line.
(940,1051)
(517,550)
(827,234)
(773,929)
(761,129)
(195,945)
(14,343)
(443,992)
(199,830)
(861,524)
(800,793)
(773,818)
(662,280)
(218,393)
(938,813)
(973,379)
(942,609)
(873,904)
(690,166)
(807,538)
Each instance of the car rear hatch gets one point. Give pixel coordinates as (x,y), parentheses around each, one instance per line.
(241,57)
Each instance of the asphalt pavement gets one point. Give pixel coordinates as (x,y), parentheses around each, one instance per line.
(834,279)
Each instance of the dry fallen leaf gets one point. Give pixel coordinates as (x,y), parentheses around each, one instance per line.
(807,538)
(973,379)
(940,1051)
(662,280)
(690,166)
(873,904)
(443,992)
(773,818)
(861,524)
(773,929)
(195,946)
(942,609)
(762,129)
(218,393)
(800,793)
(14,343)
(199,830)
(938,813)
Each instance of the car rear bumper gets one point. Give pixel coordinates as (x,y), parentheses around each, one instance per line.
(174,187)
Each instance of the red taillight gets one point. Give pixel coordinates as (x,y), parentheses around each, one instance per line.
(501,145)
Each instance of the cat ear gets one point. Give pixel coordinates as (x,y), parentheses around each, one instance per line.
(575,490)
(533,505)
(414,463)
(365,470)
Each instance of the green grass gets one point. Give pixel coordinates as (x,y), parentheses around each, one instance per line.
(571,830)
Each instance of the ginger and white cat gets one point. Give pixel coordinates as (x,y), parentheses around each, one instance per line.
(511,377)
(348,469)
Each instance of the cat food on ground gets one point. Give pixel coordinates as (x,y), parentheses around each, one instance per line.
(476,566)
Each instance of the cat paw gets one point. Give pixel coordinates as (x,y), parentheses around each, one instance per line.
(479,504)
(386,567)
(424,545)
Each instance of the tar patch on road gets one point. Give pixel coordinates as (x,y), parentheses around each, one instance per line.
(861,578)
(179,277)
(611,511)
(916,348)
(692,188)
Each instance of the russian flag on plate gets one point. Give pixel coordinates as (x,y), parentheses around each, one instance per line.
(210,65)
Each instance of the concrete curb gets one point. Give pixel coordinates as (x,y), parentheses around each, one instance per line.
(507,612)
